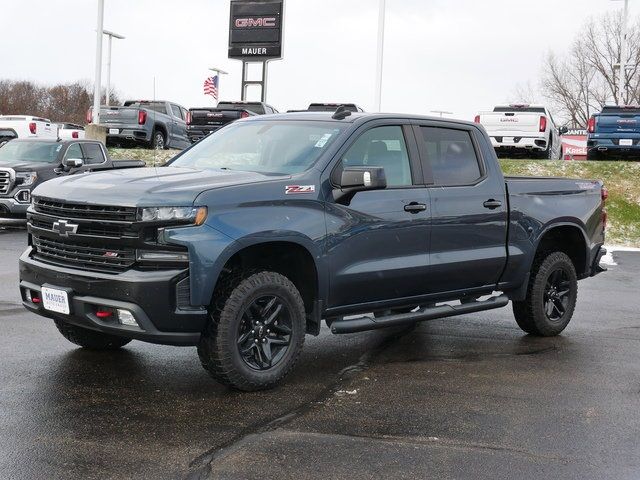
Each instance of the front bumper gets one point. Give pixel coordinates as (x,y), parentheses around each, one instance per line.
(13,212)
(149,295)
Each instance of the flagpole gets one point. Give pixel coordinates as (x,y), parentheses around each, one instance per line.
(218,72)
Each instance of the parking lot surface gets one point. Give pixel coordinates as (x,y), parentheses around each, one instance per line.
(460,398)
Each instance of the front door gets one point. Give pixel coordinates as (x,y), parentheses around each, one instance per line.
(468,210)
(377,244)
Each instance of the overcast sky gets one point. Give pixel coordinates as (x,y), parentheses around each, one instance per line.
(457,55)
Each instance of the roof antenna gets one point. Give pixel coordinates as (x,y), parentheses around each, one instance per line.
(341,113)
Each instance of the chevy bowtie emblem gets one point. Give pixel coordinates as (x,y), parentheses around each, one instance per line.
(64,228)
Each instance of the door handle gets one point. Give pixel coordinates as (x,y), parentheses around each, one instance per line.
(415,207)
(492,204)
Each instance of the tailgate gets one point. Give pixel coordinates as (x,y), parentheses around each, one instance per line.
(622,123)
(511,122)
(213,117)
(119,115)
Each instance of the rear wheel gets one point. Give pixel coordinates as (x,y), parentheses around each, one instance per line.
(90,339)
(158,142)
(255,333)
(551,296)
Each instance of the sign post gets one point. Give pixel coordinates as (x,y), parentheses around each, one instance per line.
(255,36)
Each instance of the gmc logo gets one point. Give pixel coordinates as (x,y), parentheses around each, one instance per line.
(255,22)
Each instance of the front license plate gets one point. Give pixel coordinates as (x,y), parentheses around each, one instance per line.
(114,131)
(626,142)
(55,300)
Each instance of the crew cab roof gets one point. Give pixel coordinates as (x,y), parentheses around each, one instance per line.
(354,117)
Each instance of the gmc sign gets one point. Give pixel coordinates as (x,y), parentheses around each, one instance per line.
(255,29)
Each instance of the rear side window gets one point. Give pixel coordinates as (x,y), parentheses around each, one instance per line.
(382,147)
(176,111)
(451,156)
(93,154)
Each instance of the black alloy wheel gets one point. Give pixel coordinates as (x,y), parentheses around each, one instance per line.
(264,332)
(557,294)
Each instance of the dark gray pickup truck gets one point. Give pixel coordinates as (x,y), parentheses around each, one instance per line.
(26,163)
(251,238)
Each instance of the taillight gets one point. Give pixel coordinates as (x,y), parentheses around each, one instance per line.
(543,124)
(604,193)
(477,119)
(89,117)
(33,127)
(74,135)
(244,114)
(142,117)
(188,118)
(591,126)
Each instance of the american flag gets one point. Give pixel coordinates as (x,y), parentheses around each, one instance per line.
(211,87)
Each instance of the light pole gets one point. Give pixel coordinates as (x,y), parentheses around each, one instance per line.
(98,80)
(623,54)
(380,58)
(111,36)
(218,72)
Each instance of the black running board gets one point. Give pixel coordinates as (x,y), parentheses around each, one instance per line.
(361,324)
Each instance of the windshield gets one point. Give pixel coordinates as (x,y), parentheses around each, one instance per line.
(41,152)
(271,147)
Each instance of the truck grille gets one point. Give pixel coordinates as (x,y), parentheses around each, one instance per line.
(76,210)
(70,253)
(5,182)
(91,229)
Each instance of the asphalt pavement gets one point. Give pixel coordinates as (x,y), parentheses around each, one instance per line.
(469,397)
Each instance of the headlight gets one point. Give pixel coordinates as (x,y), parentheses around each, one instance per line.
(26,178)
(193,215)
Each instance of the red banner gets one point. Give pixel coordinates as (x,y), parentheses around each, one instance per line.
(574,145)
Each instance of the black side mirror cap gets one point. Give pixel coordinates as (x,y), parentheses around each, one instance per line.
(359,179)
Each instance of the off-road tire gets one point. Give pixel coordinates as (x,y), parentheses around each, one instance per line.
(90,339)
(530,313)
(218,349)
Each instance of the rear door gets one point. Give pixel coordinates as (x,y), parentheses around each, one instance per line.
(377,243)
(468,209)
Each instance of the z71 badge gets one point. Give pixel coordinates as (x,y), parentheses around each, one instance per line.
(292,189)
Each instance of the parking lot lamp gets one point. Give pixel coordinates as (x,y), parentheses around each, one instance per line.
(111,36)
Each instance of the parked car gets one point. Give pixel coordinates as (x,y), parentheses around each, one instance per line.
(614,133)
(25,126)
(202,121)
(523,130)
(154,124)
(70,131)
(245,242)
(25,164)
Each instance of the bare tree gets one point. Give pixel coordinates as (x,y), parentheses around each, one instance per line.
(60,103)
(584,80)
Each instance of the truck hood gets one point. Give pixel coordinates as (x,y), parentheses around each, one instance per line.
(140,187)
(27,166)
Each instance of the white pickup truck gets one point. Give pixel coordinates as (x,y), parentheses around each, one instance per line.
(25,126)
(517,130)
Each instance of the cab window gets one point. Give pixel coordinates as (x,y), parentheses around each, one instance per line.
(382,147)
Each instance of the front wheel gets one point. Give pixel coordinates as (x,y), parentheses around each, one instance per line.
(255,333)
(551,296)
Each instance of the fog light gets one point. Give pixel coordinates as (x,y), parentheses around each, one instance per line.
(125,317)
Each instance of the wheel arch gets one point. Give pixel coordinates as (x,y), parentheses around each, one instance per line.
(566,237)
(296,258)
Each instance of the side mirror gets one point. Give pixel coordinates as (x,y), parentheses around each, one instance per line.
(70,163)
(359,179)
(563,130)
